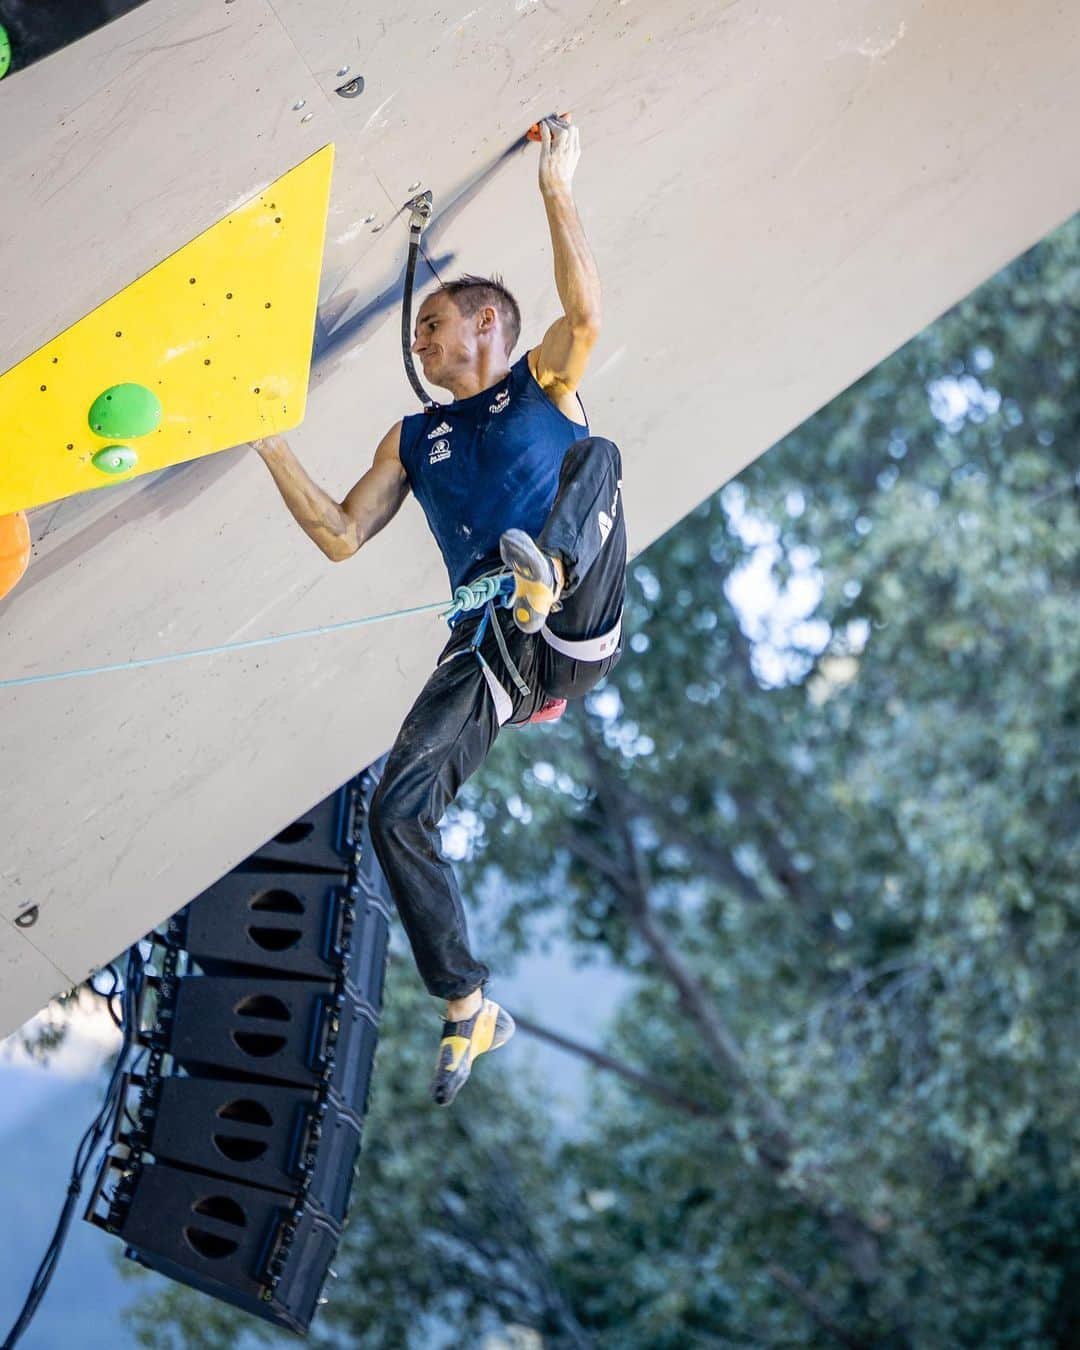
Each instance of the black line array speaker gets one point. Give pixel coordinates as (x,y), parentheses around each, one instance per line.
(234,1148)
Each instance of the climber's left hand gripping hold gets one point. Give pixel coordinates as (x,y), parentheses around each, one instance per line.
(560,150)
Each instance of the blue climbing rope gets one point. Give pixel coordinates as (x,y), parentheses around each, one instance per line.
(474,596)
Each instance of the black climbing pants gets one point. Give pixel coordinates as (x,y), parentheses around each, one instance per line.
(454,722)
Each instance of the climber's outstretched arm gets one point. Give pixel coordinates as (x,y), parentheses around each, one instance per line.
(560,360)
(339,528)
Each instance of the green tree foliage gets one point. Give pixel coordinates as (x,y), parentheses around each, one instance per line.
(835,845)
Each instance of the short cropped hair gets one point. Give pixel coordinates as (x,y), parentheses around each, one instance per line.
(472,294)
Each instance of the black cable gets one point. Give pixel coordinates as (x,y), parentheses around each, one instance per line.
(110,994)
(131,995)
(406,322)
(106,993)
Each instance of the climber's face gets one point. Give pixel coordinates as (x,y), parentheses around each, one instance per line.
(449,343)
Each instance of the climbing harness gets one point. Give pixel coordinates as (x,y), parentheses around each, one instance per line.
(485,592)
(498,588)
(419,209)
(505,593)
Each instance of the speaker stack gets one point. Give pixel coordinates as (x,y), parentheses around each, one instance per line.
(234,1147)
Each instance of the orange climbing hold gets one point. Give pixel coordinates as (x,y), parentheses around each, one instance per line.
(562,119)
(14,550)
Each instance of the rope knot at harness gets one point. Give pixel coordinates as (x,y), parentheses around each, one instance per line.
(478,593)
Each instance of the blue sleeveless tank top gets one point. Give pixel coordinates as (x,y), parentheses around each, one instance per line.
(485,464)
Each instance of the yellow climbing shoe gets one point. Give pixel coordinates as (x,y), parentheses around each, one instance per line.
(536,583)
(461,1042)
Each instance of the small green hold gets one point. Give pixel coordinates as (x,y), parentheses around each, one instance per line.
(115,459)
(5,52)
(125,410)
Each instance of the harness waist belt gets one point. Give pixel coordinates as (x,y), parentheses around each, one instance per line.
(585,649)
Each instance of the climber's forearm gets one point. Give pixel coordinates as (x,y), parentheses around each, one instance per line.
(322,519)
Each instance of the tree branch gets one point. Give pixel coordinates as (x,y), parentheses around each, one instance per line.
(650,1085)
(714,861)
(592,857)
(809,1301)
(724,1050)
(773,1142)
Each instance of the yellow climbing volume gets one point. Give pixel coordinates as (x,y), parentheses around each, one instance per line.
(209,349)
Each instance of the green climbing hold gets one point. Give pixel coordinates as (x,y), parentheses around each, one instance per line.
(125,410)
(5,52)
(115,459)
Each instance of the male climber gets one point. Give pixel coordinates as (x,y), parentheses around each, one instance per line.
(508,478)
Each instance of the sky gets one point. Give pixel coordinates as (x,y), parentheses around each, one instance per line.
(26,1086)
(44,1112)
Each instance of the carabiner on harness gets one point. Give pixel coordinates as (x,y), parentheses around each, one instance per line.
(419,209)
